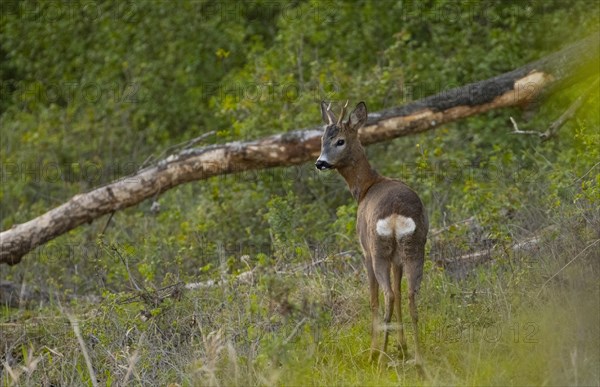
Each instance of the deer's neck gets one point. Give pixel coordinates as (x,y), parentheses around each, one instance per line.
(359,175)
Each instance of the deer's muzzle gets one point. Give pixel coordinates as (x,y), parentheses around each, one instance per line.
(322,164)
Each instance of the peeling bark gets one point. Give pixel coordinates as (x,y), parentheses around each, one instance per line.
(514,88)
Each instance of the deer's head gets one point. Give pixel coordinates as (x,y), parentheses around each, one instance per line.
(340,144)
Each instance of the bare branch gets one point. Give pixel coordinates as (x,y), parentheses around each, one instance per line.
(567,115)
(528,132)
(570,112)
(594,243)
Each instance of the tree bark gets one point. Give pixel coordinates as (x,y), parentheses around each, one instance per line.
(514,88)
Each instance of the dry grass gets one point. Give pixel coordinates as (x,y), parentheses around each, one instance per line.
(518,320)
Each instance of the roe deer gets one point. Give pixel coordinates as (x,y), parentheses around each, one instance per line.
(391,224)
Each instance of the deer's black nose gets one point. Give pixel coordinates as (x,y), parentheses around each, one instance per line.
(322,164)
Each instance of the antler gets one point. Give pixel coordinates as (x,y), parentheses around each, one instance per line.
(343,113)
(329,115)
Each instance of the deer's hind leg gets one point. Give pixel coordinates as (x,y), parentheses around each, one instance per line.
(381,267)
(413,267)
(397,286)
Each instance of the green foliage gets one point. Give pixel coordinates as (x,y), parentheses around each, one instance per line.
(92,91)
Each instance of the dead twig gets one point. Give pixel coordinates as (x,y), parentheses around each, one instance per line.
(570,112)
(182,146)
(518,131)
(295,330)
(191,143)
(586,173)
(107,223)
(114,248)
(567,115)
(567,264)
(436,231)
(486,254)
(163,293)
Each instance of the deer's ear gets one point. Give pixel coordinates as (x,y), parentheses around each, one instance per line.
(358,117)
(327,114)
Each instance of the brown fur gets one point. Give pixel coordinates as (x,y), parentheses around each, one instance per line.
(378,198)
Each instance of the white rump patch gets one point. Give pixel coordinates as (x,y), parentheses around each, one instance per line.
(384,227)
(395,224)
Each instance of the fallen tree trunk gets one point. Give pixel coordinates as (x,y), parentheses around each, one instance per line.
(514,88)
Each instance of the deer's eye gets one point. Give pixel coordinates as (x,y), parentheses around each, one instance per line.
(339,142)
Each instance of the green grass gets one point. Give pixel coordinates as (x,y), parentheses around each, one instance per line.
(505,324)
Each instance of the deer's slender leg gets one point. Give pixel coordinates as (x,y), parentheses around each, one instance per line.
(414,273)
(374,302)
(396,286)
(382,272)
